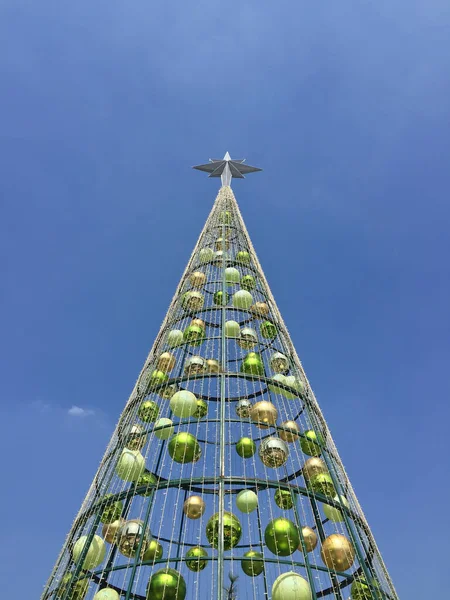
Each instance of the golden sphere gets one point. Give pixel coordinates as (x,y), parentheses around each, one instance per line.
(212,366)
(259,310)
(222,244)
(287,436)
(337,552)
(314,466)
(110,530)
(198,323)
(197,279)
(264,413)
(194,507)
(166,362)
(310,539)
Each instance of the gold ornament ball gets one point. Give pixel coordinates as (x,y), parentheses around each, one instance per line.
(313,467)
(252,564)
(111,530)
(166,362)
(166,584)
(197,279)
(198,323)
(259,310)
(282,537)
(232,530)
(264,413)
(148,411)
(222,244)
(212,366)
(154,551)
(192,301)
(283,499)
(194,558)
(194,365)
(337,552)
(310,539)
(289,436)
(248,338)
(279,363)
(194,507)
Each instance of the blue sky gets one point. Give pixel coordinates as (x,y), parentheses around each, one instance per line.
(105,106)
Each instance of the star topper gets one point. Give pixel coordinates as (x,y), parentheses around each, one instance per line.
(226,168)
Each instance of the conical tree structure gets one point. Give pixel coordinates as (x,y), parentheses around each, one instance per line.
(222,465)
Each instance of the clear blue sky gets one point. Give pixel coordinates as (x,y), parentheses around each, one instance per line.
(104,108)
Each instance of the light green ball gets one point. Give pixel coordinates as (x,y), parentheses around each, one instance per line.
(243,257)
(247,501)
(166,584)
(296,385)
(291,586)
(250,566)
(334,514)
(162,428)
(94,555)
(175,338)
(205,255)
(183,404)
(107,594)
(130,465)
(273,387)
(232,275)
(232,329)
(148,411)
(242,299)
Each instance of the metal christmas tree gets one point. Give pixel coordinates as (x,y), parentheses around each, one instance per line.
(221,479)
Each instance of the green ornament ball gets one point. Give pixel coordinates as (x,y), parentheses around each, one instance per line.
(243,257)
(154,551)
(232,275)
(111,512)
(106,594)
(296,385)
(202,409)
(157,378)
(183,404)
(205,255)
(291,586)
(148,411)
(334,514)
(242,299)
(311,443)
(232,530)
(282,537)
(166,584)
(79,589)
(268,330)
(146,479)
(94,555)
(247,501)
(361,591)
(322,484)
(250,566)
(225,217)
(194,335)
(130,465)
(283,499)
(253,364)
(248,283)
(163,429)
(195,556)
(246,447)
(221,298)
(184,448)
(232,329)
(174,338)
(276,389)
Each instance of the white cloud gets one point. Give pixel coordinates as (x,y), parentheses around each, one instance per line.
(77,411)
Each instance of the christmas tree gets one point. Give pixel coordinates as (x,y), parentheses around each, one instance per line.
(221,479)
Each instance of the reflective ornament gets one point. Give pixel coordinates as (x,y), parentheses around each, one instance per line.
(282,537)
(361,591)
(296,385)
(212,366)
(309,538)
(198,323)
(232,329)
(219,258)
(147,479)
(334,514)
(183,404)
(291,586)
(268,330)
(276,389)
(289,436)
(154,551)
(283,499)
(184,448)
(106,594)
(273,452)
(166,584)
(194,507)
(264,413)
(111,511)
(174,338)
(194,365)
(313,467)
(166,362)
(78,591)
(197,279)
(167,392)
(232,275)
(195,556)
(243,408)
(222,244)
(155,379)
(95,553)
(163,429)
(110,530)
(194,335)
(250,565)
(246,501)
(130,536)
(232,531)
(136,438)
(337,552)
(243,257)
(148,411)
(248,338)
(246,447)
(202,409)
(253,364)
(279,363)
(131,465)
(311,443)
(192,301)
(248,283)
(259,310)
(242,299)
(322,484)
(221,298)
(225,217)
(205,255)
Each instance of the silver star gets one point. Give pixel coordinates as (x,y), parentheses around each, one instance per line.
(226,168)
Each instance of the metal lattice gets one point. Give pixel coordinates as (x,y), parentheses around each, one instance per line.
(221,420)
